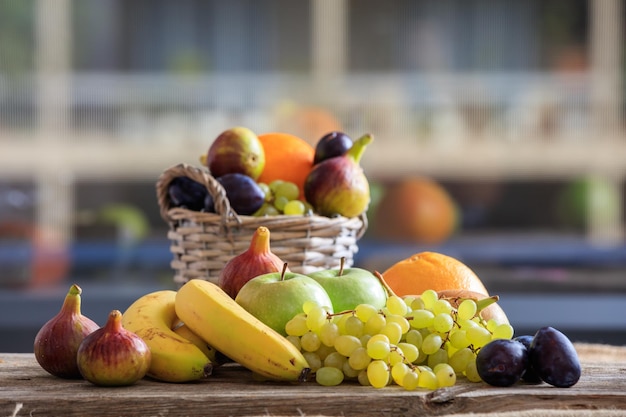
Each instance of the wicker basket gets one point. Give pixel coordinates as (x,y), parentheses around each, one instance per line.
(202,243)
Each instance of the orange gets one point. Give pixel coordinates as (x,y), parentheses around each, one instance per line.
(287,158)
(431,271)
(416,209)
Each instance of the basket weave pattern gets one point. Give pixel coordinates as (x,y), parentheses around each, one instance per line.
(202,243)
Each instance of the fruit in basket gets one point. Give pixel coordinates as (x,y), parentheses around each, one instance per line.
(502,362)
(349,287)
(431,271)
(187,193)
(57,342)
(554,358)
(257,260)
(287,158)
(244,194)
(332,144)
(416,209)
(112,355)
(338,186)
(274,298)
(236,150)
(174,357)
(220,321)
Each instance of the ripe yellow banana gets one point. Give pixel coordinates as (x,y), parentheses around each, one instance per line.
(220,321)
(182,330)
(174,358)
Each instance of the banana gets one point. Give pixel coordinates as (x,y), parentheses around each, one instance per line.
(221,322)
(174,358)
(184,331)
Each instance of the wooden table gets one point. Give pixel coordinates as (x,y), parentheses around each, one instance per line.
(27,390)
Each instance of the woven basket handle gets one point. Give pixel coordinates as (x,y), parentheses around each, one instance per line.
(215,189)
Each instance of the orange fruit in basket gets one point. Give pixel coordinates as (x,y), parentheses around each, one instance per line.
(287,158)
(431,271)
(416,209)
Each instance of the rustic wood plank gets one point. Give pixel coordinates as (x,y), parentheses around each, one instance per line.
(25,389)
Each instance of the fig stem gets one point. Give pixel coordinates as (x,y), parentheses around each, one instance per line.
(384,283)
(358,147)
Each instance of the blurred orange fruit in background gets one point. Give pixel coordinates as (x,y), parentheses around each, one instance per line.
(287,158)
(416,209)
(431,271)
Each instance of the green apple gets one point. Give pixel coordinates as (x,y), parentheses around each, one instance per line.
(350,287)
(276,297)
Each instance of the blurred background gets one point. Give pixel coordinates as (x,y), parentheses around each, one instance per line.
(506,116)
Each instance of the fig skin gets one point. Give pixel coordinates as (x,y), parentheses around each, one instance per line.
(113,356)
(236,150)
(56,343)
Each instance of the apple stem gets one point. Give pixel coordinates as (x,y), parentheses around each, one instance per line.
(384,283)
(341,265)
(282,273)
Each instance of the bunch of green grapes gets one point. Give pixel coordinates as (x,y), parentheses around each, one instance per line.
(281,197)
(414,342)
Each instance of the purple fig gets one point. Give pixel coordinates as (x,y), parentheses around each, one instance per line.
(113,356)
(57,342)
(236,150)
(338,186)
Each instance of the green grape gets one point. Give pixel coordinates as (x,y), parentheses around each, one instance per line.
(286,189)
(417,304)
(294,208)
(335,360)
(503,331)
(310,342)
(267,191)
(363,379)
(340,321)
(458,338)
(377,337)
(432,343)
(491,325)
(315,318)
(459,360)
(294,340)
(446,377)
(346,344)
(395,355)
(396,305)
(422,319)
(410,381)
(280,203)
(401,320)
(399,371)
(467,309)
(329,376)
(353,326)
(378,349)
(443,322)
(328,333)
(414,337)
(365,311)
(378,373)
(359,358)
(349,371)
(471,373)
(274,185)
(478,336)
(308,305)
(429,297)
(410,351)
(440,356)
(364,339)
(408,300)
(297,326)
(324,351)
(442,306)
(313,359)
(374,324)
(427,379)
(393,331)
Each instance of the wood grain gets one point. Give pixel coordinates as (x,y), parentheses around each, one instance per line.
(27,390)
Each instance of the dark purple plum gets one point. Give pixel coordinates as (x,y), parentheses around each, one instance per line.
(502,362)
(554,358)
(529,375)
(244,194)
(187,193)
(330,145)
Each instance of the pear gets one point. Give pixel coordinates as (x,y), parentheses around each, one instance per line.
(337,186)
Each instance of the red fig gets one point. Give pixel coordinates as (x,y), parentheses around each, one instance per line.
(338,186)
(258,259)
(58,340)
(113,356)
(236,150)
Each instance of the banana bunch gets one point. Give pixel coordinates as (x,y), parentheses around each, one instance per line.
(178,355)
(213,315)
